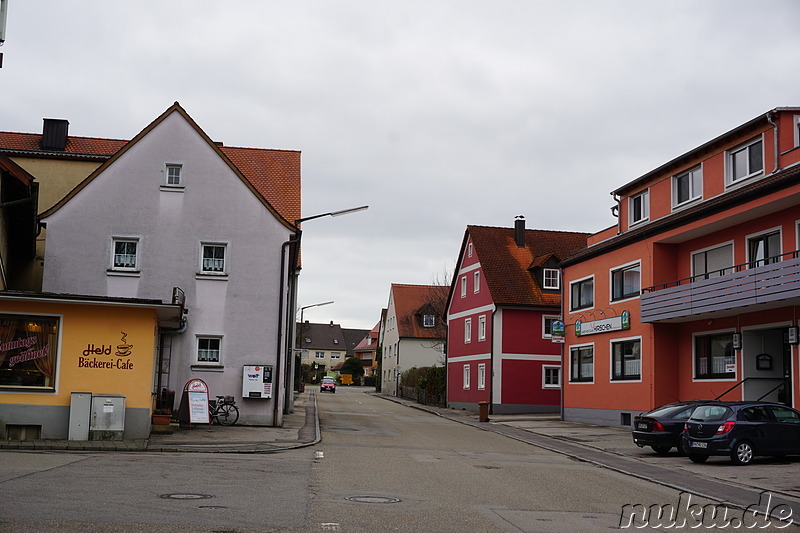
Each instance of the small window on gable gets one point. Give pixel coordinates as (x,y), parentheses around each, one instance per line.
(638,208)
(796,128)
(476,282)
(125,255)
(551,279)
(467,330)
(213,259)
(174,175)
(463,286)
(687,187)
(745,161)
(428,321)
(469,250)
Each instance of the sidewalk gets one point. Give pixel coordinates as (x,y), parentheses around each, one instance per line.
(300,428)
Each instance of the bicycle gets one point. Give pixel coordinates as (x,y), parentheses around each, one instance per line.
(224,410)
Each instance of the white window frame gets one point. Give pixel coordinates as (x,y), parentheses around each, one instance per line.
(204,337)
(463,286)
(729,157)
(576,282)
(547,281)
(136,255)
(545,384)
(428,321)
(224,271)
(319,355)
(708,249)
(469,250)
(754,263)
(482,328)
(481,376)
(695,181)
(545,318)
(465,378)
(336,355)
(579,381)
(167,174)
(623,268)
(611,344)
(467,330)
(644,198)
(796,127)
(476,282)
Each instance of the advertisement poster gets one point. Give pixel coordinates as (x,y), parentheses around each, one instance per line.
(198,407)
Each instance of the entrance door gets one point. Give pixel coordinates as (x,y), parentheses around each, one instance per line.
(765,365)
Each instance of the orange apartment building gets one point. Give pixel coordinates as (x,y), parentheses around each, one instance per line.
(695,293)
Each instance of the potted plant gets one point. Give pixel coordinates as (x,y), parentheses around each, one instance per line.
(162,417)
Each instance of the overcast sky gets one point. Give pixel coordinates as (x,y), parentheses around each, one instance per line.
(437,114)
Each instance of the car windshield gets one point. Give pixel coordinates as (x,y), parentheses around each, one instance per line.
(711,413)
(327,380)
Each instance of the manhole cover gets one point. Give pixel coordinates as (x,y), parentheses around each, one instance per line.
(212,507)
(372,499)
(185,496)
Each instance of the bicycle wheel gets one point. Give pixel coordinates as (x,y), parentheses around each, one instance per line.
(228,415)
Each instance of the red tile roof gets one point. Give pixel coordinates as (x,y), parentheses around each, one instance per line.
(506,267)
(274,174)
(409,300)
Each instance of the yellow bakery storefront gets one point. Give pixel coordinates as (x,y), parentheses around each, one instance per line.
(79,367)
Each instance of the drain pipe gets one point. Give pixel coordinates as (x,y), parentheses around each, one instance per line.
(615,211)
(293,240)
(774,139)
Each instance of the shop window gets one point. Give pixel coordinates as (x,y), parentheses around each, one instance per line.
(714,357)
(581,364)
(28,352)
(626,360)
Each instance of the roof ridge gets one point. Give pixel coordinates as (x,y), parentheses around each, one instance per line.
(531,229)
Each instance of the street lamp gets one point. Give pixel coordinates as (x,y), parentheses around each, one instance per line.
(299,346)
(291,303)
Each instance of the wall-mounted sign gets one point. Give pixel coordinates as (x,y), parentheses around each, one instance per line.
(614,323)
(557,328)
(111,356)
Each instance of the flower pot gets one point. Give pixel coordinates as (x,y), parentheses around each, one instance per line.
(161,420)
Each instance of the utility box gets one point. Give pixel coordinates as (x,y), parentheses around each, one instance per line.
(80,406)
(257,381)
(107,420)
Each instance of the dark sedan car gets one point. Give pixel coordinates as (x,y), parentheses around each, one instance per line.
(741,430)
(661,428)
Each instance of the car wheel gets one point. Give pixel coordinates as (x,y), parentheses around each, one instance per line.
(743,453)
(698,458)
(661,450)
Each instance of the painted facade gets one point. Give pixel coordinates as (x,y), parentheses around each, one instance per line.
(411,334)
(53,345)
(503,300)
(174,209)
(695,293)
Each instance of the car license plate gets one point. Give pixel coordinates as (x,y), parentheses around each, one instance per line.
(698,444)
(642,425)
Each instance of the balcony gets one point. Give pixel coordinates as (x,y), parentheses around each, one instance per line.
(774,282)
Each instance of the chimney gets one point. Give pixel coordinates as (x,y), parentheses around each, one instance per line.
(519,231)
(54,134)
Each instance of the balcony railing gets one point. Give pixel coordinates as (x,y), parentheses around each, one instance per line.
(761,282)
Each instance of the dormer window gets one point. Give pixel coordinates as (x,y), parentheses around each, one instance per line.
(638,208)
(551,279)
(335,341)
(428,321)
(745,161)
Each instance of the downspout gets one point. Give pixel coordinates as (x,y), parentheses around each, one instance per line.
(774,139)
(491,364)
(277,387)
(615,212)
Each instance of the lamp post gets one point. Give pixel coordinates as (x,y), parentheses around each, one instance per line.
(284,309)
(299,346)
